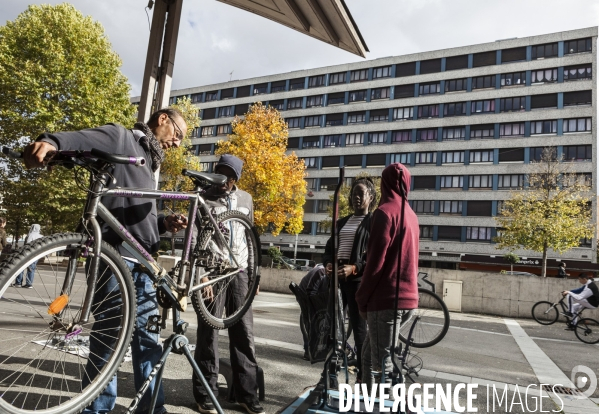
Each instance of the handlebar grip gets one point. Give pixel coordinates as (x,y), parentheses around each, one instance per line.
(118,159)
(12,154)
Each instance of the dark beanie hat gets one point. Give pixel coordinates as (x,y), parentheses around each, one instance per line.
(232,162)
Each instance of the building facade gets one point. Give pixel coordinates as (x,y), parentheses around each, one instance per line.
(467,121)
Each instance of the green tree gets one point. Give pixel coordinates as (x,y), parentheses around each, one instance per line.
(512,258)
(57,72)
(553,212)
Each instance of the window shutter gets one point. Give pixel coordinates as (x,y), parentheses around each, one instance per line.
(404,91)
(209,113)
(241,109)
(330,162)
(425,182)
(430,66)
(480,208)
(578,98)
(456,62)
(405,69)
(450,233)
(513,55)
(484,59)
(226,93)
(375,160)
(243,91)
(548,100)
(511,154)
(379,112)
(353,160)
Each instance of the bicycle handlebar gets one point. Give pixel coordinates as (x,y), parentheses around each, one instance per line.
(61,156)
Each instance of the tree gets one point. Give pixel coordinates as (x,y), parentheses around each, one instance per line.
(512,258)
(57,72)
(274,179)
(553,212)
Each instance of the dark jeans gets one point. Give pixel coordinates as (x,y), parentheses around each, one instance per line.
(241,347)
(30,275)
(358,324)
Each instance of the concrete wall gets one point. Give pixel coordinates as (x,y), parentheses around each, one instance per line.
(485,293)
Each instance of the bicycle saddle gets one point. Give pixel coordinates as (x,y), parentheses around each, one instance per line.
(217,179)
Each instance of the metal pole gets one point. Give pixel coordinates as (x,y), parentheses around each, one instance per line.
(295,250)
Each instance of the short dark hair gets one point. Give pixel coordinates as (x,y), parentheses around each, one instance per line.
(170,112)
(369,184)
(586,275)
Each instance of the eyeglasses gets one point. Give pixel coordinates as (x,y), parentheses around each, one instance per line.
(178,135)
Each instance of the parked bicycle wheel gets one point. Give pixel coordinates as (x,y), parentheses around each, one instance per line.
(219,307)
(433,324)
(46,365)
(545,313)
(587,330)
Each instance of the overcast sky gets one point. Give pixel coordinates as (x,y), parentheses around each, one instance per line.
(215,38)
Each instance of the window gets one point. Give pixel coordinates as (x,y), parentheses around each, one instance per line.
(425,182)
(331,162)
(323,206)
(312,121)
(480,208)
(513,79)
(481,156)
(423,206)
(430,66)
(454,133)
(354,139)
(309,206)
(585,179)
(454,109)
(196,132)
(353,161)
(379,115)
(328,184)
(209,113)
(449,233)
(196,97)
(586,242)
(359,75)
(382,72)
(293,122)
(311,162)
(307,229)
(452,181)
(336,98)
(401,136)
(223,129)
(428,111)
(547,100)
(455,85)
(517,103)
(334,119)
(357,96)
(543,127)
(380,93)
(452,157)
(456,62)
(260,89)
(331,141)
(295,84)
(295,103)
(205,166)
(241,109)
(401,114)
(336,78)
(511,155)
(544,75)
(404,91)
(483,131)
(482,82)
(515,54)
(577,125)
(356,118)
(480,107)
(207,131)
(315,81)
(510,181)
(484,59)
(578,72)
(243,91)
(426,135)
(577,46)
(511,130)
(278,86)
(211,96)
(375,160)
(405,69)
(429,88)
(278,105)
(225,111)
(310,183)
(450,207)
(480,181)
(426,232)
(292,142)
(311,142)
(578,98)
(478,233)
(536,153)
(323,228)
(544,51)
(376,138)
(577,153)
(425,158)
(312,101)
(403,158)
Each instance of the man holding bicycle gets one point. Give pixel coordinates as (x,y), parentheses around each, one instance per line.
(166,128)
(586,296)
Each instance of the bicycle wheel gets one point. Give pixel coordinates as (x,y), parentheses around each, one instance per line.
(587,330)
(233,290)
(433,324)
(46,364)
(545,313)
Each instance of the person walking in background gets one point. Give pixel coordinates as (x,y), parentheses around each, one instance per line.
(34,234)
(3,242)
(561,271)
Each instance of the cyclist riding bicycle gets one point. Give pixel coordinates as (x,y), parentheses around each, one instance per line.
(586,296)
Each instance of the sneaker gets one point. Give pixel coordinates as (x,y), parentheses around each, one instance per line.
(27,287)
(568,314)
(570,327)
(206,407)
(15,285)
(252,407)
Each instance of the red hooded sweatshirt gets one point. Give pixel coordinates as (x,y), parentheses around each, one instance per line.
(377,290)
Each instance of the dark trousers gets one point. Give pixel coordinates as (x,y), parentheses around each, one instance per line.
(241,347)
(358,324)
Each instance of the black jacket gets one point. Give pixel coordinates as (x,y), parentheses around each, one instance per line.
(358,249)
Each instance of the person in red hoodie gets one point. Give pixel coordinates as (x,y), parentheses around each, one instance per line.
(376,295)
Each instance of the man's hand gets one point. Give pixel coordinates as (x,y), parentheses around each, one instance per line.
(345,271)
(175,222)
(34,154)
(207,292)
(564,293)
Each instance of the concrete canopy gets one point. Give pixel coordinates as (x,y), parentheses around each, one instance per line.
(327,20)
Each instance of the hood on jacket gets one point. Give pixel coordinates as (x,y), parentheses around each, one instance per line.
(390,188)
(34,233)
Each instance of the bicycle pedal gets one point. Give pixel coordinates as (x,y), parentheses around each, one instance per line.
(153,325)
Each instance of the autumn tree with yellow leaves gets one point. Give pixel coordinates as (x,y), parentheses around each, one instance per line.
(274,179)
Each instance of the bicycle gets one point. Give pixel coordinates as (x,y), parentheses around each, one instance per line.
(45,358)
(546,313)
(434,320)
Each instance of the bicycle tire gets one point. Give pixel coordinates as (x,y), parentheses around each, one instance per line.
(587,330)
(44,353)
(429,331)
(214,313)
(545,312)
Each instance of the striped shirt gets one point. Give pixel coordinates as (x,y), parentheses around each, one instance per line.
(347,235)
